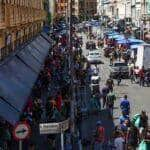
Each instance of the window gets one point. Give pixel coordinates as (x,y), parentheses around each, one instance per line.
(2,11)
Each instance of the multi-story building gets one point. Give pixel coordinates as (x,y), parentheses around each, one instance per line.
(61,7)
(20,20)
(52,9)
(85,8)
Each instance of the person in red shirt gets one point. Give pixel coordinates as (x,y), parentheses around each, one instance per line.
(59,101)
(142,75)
(99,137)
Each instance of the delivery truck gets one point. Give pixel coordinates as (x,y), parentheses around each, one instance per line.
(143,56)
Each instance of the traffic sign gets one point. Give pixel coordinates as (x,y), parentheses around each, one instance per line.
(21,131)
(54,128)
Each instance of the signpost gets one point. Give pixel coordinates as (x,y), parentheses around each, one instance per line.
(21,132)
(55,128)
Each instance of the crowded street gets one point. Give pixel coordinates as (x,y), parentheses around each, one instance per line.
(75,75)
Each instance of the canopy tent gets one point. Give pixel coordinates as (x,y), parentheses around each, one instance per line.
(18,75)
(117,36)
(130,41)
(123,41)
(136,40)
(134,46)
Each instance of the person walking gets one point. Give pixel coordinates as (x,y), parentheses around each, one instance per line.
(110,83)
(119,141)
(125,105)
(104,92)
(111,97)
(132,138)
(119,76)
(142,75)
(99,136)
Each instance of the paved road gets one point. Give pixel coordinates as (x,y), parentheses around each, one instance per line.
(139,96)
(88,122)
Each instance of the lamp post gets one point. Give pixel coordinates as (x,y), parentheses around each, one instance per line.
(71,69)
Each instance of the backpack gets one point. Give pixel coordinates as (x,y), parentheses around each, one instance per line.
(99,134)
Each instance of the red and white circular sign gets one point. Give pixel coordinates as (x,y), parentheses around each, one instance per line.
(21,131)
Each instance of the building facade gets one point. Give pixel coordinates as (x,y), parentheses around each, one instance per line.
(61,7)
(20,20)
(86,8)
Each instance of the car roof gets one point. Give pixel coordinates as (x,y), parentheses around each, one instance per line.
(96,77)
(118,62)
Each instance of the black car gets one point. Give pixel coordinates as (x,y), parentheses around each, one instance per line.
(90,45)
(119,67)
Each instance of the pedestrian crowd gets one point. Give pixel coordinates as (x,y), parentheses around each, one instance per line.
(129,132)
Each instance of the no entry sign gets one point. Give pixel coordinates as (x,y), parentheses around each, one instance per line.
(21,131)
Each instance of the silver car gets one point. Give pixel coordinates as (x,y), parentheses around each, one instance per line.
(94,57)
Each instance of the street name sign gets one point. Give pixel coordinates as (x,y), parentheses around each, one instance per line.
(54,128)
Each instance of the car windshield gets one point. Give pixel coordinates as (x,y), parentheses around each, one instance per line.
(120,64)
(94,54)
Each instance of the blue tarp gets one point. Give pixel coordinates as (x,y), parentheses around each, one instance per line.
(129,41)
(132,40)
(117,36)
(18,75)
(134,46)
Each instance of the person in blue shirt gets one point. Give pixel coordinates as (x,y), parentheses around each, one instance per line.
(125,105)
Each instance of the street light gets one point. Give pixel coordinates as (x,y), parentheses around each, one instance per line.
(71,69)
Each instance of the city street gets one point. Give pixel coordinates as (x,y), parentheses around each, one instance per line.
(75,75)
(138,96)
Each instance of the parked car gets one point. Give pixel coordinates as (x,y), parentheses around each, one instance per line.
(119,67)
(94,57)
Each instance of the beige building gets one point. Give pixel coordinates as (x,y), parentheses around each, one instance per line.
(85,8)
(61,7)
(20,20)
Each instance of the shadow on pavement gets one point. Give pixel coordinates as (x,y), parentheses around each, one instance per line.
(88,124)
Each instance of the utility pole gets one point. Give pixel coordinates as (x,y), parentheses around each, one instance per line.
(85,10)
(71,69)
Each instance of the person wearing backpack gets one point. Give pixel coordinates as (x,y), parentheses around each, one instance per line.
(99,136)
(132,137)
(111,97)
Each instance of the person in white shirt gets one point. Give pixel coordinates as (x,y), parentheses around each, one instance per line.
(119,142)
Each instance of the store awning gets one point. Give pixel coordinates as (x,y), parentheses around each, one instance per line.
(18,75)
(8,112)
